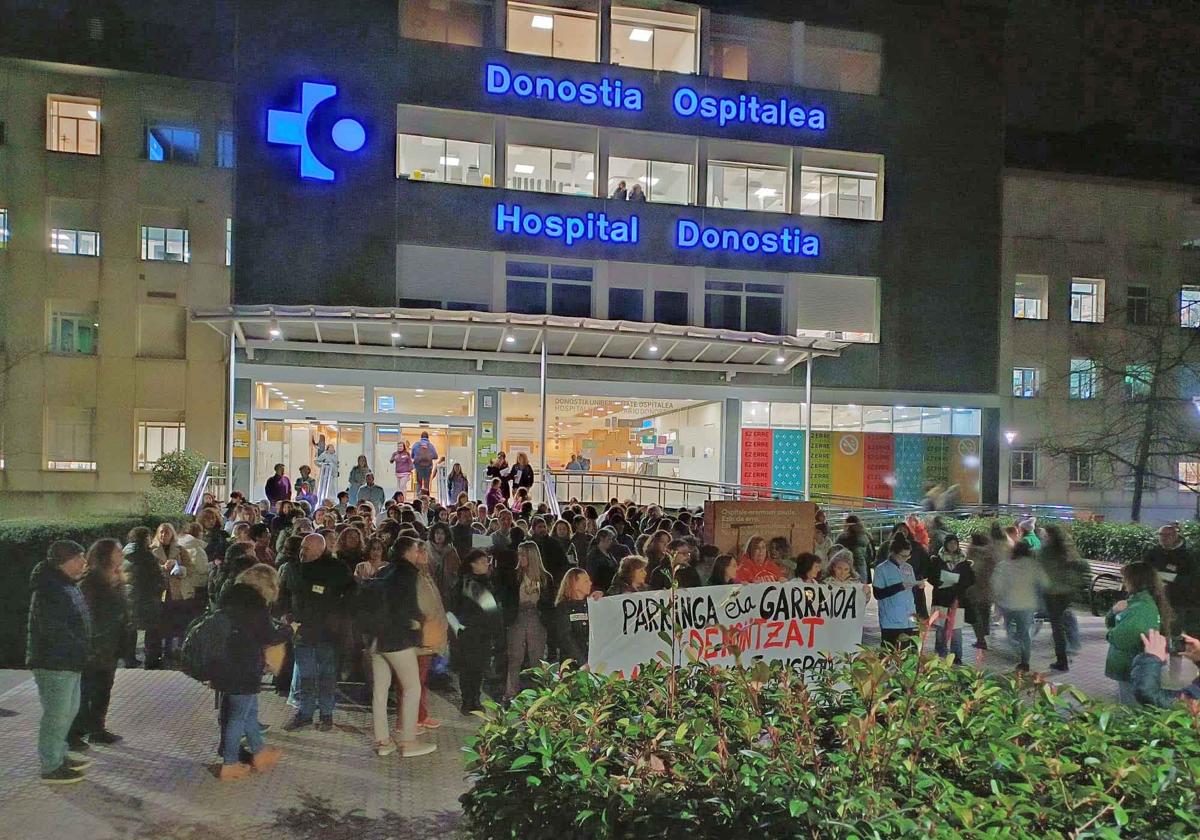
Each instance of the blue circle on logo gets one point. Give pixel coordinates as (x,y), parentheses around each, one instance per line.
(349,135)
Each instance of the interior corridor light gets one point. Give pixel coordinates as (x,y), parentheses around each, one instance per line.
(642,35)
(542,22)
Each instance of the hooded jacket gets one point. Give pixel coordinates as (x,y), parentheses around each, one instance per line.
(60,625)
(109,609)
(145,584)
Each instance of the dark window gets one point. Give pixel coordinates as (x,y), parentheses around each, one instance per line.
(723,312)
(1137,305)
(463,306)
(419,303)
(764,314)
(671,308)
(526,298)
(571,299)
(517,268)
(225,149)
(626,304)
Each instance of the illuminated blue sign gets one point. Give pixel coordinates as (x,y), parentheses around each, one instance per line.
(603,92)
(791,241)
(290,128)
(612,93)
(747,108)
(589,227)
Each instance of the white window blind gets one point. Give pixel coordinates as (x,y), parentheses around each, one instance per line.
(837,304)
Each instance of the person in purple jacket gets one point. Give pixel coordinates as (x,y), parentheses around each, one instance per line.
(278,487)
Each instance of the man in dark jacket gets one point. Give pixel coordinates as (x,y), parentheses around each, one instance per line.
(554,558)
(1180,573)
(145,583)
(314,600)
(104,592)
(462,531)
(60,630)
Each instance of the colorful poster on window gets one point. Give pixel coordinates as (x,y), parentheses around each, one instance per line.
(756,457)
(847,464)
(908,461)
(937,461)
(787,462)
(878,475)
(820,473)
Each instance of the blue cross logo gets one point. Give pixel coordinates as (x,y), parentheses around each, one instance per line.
(290,128)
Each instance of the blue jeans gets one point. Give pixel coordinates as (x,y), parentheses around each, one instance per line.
(948,642)
(239,719)
(59,693)
(317,667)
(1020,623)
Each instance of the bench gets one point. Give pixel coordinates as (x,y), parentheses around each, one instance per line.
(1106,587)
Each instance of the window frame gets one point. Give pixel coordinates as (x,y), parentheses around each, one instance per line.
(837,175)
(1079,377)
(57,236)
(76,318)
(1137,305)
(553,12)
(549,281)
(146,240)
(508,155)
(71,464)
(1022,303)
(620,15)
(648,180)
(1186,471)
(170,151)
(713,165)
(1189,312)
(225,153)
(723,288)
(141,437)
(1020,391)
(1080,470)
(657,305)
(4,229)
(1136,386)
(444,155)
(54,137)
(1096,295)
(1026,457)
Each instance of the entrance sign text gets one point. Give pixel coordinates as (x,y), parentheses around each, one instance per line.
(604,92)
(788,240)
(588,227)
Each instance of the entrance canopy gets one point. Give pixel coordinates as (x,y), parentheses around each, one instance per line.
(506,336)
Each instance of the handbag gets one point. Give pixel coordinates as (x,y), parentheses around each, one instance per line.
(274,655)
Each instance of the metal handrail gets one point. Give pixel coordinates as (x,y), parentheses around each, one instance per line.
(199,488)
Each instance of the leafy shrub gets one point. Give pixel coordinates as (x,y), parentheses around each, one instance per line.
(1115,542)
(171,481)
(23,544)
(914,747)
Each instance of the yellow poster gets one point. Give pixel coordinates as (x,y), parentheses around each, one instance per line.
(241,435)
(846,464)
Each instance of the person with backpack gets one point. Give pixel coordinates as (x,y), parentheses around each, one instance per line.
(424,456)
(145,584)
(238,665)
(313,598)
(104,591)
(59,639)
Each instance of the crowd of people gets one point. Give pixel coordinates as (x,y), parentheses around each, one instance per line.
(401,594)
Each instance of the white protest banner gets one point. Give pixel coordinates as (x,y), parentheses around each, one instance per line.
(802,624)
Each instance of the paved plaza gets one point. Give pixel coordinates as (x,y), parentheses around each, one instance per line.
(330,786)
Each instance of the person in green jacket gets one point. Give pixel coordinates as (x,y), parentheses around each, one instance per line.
(1144,610)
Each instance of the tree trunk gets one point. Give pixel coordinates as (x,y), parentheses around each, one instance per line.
(1141,461)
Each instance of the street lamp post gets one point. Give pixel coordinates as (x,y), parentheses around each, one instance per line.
(1010,436)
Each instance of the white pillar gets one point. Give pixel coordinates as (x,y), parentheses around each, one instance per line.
(545,495)
(808,426)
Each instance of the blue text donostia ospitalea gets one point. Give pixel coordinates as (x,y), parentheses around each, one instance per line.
(614,94)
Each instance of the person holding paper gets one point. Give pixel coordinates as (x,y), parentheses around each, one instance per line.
(951,575)
(892,586)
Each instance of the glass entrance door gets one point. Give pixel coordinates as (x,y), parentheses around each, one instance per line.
(454,443)
(294,443)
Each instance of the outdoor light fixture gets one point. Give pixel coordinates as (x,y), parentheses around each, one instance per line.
(1010,437)
(395,334)
(780,359)
(274,330)
(542,22)
(653,348)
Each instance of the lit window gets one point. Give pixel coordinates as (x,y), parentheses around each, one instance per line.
(3,227)
(1079,470)
(1024,466)
(1084,380)
(228,241)
(74,333)
(161,244)
(1137,305)
(661,182)
(654,39)
(740,186)
(537,288)
(840,59)
(156,439)
(445,21)
(1189,476)
(69,433)
(1189,306)
(1087,301)
(176,144)
(1025,382)
(1138,379)
(751,307)
(841,195)
(225,150)
(551,170)
(83,243)
(1029,297)
(439,159)
(73,125)
(552,31)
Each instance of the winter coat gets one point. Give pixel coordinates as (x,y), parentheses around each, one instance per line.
(554,558)
(391,612)
(60,625)
(1018,583)
(145,584)
(947,597)
(456,484)
(462,537)
(240,670)
(477,606)
(444,566)
(109,611)
(1125,633)
(278,489)
(314,598)
(197,576)
(434,627)
(510,596)
(983,563)
(1179,571)
(601,568)
(175,563)
(522,476)
(581,546)
(502,472)
(571,630)
(1066,574)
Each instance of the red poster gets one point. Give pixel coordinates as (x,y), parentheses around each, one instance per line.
(878,478)
(756,457)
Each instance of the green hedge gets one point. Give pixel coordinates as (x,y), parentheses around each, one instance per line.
(1116,542)
(23,543)
(914,748)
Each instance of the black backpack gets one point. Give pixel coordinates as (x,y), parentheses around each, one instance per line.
(206,645)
